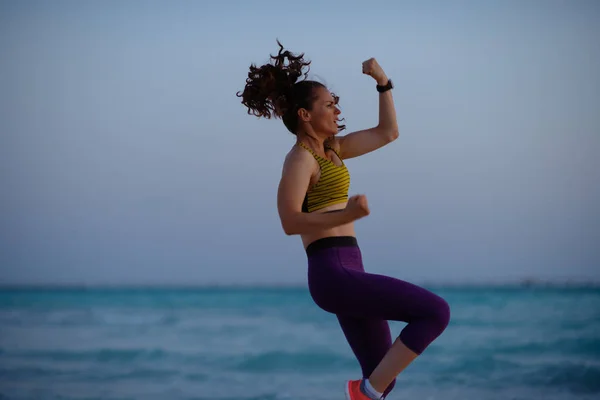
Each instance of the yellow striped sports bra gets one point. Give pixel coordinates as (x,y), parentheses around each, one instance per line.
(332,187)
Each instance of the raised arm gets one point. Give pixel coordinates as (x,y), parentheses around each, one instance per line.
(365,141)
(295,179)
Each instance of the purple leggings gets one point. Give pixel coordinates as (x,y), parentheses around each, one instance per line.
(364,302)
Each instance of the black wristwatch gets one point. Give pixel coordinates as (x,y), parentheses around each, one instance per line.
(389,85)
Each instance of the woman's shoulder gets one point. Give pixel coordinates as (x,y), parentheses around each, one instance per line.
(298,162)
(298,155)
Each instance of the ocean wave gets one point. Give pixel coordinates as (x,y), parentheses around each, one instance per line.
(498,371)
(24,373)
(97,355)
(133,373)
(302,362)
(89,317)
(572,377)
(576,345)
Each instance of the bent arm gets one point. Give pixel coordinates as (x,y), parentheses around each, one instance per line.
(295,179)
(365,141)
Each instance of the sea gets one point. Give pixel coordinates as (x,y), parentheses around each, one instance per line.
(519,342)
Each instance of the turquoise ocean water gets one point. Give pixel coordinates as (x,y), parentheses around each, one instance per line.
(274,343)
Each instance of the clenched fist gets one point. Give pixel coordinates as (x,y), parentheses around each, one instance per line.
(372,68)
(357,206)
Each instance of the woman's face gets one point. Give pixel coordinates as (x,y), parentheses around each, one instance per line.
(324,113)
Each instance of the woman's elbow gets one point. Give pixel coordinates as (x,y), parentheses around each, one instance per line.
(287,230)
(288,227)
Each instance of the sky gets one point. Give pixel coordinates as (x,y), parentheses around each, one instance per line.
(126,157)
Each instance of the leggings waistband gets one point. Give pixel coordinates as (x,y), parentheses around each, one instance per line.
(329,242)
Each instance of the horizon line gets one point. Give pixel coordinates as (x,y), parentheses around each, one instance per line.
(520,283)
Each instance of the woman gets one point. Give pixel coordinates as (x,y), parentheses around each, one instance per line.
(313,202)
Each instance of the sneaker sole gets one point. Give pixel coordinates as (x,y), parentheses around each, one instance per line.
(347,391)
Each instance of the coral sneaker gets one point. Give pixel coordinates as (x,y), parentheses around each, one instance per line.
(353,391)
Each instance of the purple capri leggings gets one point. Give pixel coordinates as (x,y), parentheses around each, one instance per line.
(364,302)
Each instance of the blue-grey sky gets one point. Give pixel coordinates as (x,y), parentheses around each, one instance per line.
(125,156)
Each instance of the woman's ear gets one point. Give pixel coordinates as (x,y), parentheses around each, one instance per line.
(304,115)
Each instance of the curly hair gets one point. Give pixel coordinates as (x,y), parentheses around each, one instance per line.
(274,90)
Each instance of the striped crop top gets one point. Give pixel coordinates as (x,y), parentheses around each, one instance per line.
(332,187)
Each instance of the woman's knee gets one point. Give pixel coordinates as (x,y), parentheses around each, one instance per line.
(440,313)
